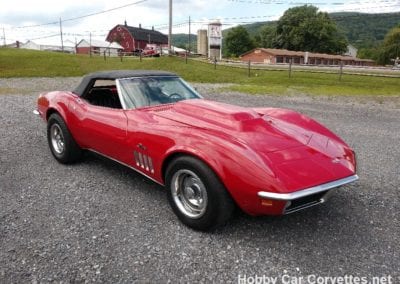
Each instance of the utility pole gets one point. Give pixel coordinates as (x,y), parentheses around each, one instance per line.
(189,37)
(170,28)
(61,34)
(90,44)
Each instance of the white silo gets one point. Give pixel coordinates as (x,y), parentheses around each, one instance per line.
(202,42)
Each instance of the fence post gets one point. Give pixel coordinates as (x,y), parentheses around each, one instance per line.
(104,55)
(215,63)
(290,67)
(341,71)
(248,72)
(140,56)
(186,57)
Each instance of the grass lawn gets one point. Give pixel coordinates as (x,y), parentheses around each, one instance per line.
(29,63)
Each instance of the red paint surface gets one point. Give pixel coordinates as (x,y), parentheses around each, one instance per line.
(251,150)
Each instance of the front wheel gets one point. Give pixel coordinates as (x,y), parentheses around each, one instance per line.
(196,194)
(61,143)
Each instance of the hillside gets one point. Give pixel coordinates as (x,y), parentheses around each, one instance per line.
(365,30)
(361,29)
(182,40)
(252,29)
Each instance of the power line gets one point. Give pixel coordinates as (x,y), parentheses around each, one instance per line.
(281,2)
(365,8)
(48,36)
(80,17)
(105,11)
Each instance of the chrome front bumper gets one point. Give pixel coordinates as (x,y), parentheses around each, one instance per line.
(307,197)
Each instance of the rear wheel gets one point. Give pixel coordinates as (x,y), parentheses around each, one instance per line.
(196,195)
(61,143)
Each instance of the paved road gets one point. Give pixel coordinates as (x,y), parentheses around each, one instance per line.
(97,221)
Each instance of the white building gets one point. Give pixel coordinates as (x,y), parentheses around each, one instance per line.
(68,46)
(351,51)
(98,47)
(30,45)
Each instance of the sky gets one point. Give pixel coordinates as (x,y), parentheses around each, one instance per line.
(39,20)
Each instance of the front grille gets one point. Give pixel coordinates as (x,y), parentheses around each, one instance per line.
(305,202)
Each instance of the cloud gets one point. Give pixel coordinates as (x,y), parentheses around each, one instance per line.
(44,14)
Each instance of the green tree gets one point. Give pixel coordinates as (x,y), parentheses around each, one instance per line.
(303,28)
(266,37)
(238,41)
(368,53)
(390,48)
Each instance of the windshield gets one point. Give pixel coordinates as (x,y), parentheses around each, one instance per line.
(150,91)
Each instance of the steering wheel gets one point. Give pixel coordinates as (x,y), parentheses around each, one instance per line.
(175,97)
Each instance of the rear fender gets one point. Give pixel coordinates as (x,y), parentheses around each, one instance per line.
(54,102)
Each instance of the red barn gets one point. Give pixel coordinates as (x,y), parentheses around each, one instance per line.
(132,38)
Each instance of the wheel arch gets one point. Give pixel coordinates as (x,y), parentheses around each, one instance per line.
(58,110)
(180,153)
(215,166)
(51,111)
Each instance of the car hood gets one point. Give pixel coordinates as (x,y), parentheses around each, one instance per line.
(259,131)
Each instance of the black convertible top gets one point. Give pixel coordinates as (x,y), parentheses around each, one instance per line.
(89,79)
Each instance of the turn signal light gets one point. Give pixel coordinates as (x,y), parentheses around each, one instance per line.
(267,202)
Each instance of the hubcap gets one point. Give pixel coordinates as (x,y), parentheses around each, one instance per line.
(57,139)
(189,193)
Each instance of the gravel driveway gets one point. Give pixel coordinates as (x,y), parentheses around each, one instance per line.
(97,221)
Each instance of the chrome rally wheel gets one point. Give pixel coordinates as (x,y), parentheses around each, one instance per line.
(189,193)
(57,138)
(61,143)
(196,195)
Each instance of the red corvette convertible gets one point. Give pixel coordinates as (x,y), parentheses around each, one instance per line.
(210,156)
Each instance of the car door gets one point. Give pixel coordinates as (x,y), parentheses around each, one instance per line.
(98,128)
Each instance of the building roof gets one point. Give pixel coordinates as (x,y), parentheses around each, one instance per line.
(285,52)
(48,45)
(143,34)
(98,43)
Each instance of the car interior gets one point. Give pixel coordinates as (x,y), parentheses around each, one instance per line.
(137,92)
(103,93)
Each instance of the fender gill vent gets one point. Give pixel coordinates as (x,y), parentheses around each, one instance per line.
(143,161)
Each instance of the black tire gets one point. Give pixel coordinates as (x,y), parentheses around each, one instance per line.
(61,143)
(215,206)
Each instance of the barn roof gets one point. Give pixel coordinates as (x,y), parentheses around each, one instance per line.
(143,34)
